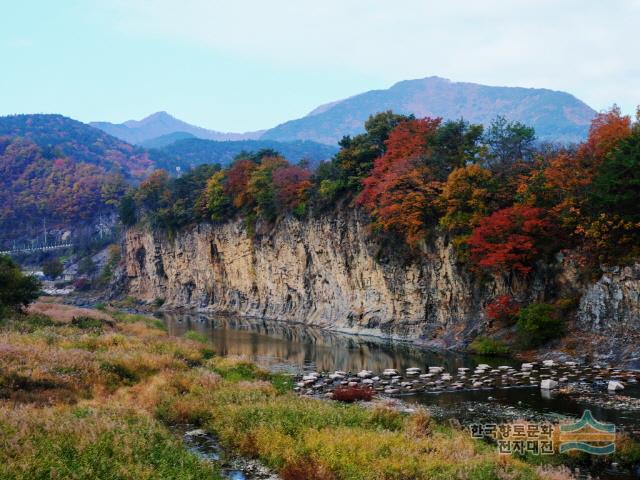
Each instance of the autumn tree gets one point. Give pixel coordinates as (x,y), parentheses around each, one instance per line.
(607,128)
(511,240)
(467,196)
(113,189)
(236,186)
(502,310)
(401,191)
(215,201)
(261,187)
(292,186)
(357,154)
(153,192)
(571,174)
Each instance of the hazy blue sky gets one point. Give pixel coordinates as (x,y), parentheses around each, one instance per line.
(242,65)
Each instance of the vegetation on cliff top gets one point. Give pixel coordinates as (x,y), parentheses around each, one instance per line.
(505,201)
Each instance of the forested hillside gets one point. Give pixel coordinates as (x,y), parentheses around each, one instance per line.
(62,136)
(503,200)
(41,185)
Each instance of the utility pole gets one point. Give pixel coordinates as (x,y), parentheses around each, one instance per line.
(44,226)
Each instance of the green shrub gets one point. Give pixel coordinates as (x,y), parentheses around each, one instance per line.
(281,382)
(488,346)
(196,336)
(237,370)
(16,289)
(538,323)
(87,323)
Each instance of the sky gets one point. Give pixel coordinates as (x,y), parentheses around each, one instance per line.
(241,65)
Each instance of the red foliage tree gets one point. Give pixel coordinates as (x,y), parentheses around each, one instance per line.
(510,239)
(401,187)
(236,186)
(606,130)
(502,309)
(291,185)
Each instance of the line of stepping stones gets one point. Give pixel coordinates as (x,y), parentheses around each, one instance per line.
(548,375)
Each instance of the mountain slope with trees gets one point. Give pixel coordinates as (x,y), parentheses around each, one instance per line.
(556,116)
(42,185)
(190,152)
(60,136)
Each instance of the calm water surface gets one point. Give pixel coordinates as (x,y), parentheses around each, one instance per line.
(298,348)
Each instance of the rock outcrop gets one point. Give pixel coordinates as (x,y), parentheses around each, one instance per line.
(612,304)
(329,272)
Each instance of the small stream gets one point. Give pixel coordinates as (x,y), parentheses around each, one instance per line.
(207,447)
(297,349)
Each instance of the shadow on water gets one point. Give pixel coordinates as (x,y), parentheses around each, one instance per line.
(297,348)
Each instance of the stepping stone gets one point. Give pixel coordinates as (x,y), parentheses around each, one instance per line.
(614,386)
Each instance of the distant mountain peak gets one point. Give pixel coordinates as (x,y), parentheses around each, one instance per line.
(161,116)
(555,115)
(163,124)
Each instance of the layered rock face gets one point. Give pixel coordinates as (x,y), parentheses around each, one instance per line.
(328,272)
(612,304)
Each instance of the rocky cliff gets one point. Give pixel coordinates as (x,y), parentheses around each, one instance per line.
(329,272)
(325,272)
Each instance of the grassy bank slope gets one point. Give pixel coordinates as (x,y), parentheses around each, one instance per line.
(91,396)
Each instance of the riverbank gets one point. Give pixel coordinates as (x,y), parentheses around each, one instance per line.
(94,396)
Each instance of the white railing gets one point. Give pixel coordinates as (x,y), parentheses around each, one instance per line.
(44,248)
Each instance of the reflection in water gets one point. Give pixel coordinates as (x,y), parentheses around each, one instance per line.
(295,348)
(281,346)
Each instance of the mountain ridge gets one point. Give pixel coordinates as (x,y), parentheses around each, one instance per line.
(161,123)
(556,115)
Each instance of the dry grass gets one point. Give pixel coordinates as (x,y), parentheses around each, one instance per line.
(78,401)
(66,313)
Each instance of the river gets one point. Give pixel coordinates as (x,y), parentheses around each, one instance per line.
(296,348)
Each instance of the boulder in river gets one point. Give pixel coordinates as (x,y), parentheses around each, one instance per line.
(614,386)
(548,384)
